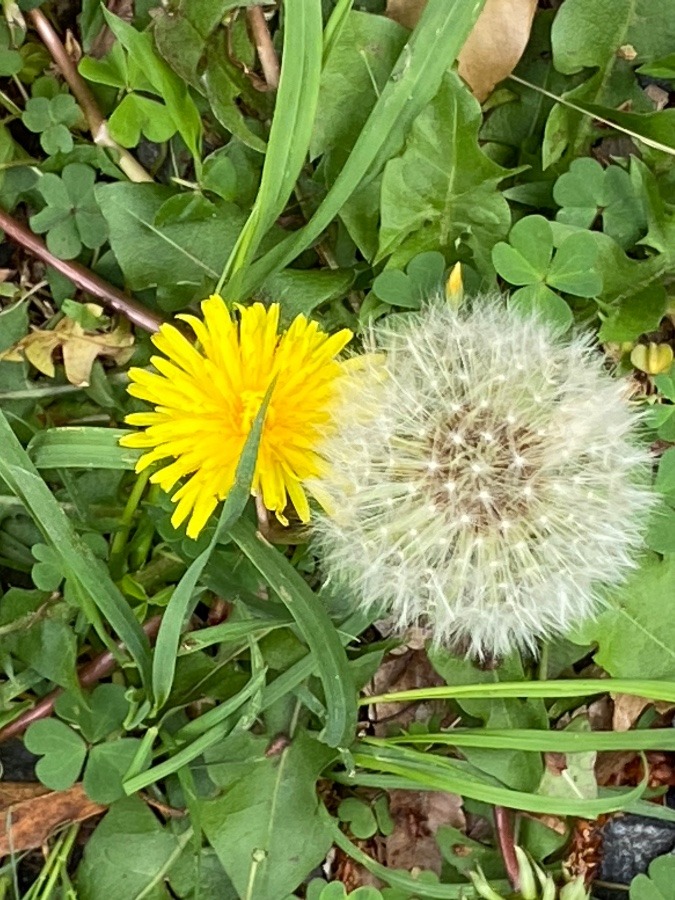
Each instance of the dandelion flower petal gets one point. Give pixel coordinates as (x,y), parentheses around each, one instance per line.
(206,398)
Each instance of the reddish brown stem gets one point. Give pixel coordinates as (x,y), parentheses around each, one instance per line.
(86,280)
(507,845)
(263,44)
(88,674)
(85,99)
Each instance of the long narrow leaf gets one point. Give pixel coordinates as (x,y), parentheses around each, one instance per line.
(436,773)
(78,561)
(415,79)
(81,447)
(217,732)
(539,741)
(572,687)
(316,628)
(168,637)
(291,129)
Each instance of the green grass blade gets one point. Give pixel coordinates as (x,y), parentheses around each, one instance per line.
(334,25)
(81,447)
(434,44)
(291,129)
(435,773)
(218,714)
(316,628)
(217,732)
(168,637)
(292,678)
(79,563)
(537,741)
(227,633)
(573,687)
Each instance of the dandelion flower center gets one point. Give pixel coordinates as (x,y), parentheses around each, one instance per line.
(206,399)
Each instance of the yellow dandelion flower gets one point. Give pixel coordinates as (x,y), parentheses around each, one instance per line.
(206,398)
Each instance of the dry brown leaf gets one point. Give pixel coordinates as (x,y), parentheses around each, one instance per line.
(27,823)
(628,709)
(417,817)
(403,672)
(12,792)
(79,347)
(493,48)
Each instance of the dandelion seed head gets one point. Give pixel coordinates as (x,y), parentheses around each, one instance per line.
(521,484)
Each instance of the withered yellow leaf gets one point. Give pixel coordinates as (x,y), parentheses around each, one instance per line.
(79,348)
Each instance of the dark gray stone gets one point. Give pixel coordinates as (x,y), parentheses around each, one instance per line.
(630,843)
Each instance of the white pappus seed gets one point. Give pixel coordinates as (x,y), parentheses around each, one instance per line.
(511,525)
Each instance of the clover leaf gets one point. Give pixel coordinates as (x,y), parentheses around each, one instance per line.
(423,274)
(136,114)
(52,118)
(529,261)
(96,715)
(662,416)
(62,750)
(47,572)
(72,216)
(587,191)
(11,61)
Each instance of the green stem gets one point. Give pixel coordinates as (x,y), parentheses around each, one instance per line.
(119,542)
(142,540)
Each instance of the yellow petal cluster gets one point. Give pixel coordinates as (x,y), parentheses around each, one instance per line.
(206,398)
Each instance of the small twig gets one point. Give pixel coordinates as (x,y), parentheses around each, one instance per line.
(88,674)
(507,846)
(263,44)
(86,280)
(85,99)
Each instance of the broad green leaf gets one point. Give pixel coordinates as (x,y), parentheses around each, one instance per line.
(356,70)
(587,34)
(301,292)
(188,252)
(62,751)
(443,189)
(266,827)
(588,191)
(316,628)
(633,636)
(541,300)
(138,115)
(125,854)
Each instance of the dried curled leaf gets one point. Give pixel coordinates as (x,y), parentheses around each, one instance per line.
(493,48)
(79,347)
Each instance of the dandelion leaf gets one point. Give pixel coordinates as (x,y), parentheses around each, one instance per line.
(635,637)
